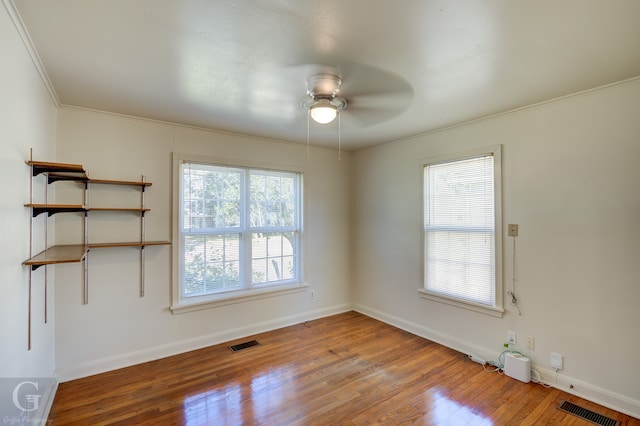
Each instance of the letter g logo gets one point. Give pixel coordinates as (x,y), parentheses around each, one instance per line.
(32,400)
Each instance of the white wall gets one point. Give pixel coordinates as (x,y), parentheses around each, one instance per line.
(118,327)
(27,120)
(570,180)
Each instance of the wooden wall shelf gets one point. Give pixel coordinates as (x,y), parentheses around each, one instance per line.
(51,209)
(120,182)
(76,171)
(70,253)
(117,209)
(73,253)
(127,244)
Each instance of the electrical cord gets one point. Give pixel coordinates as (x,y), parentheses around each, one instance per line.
(536,377)
(495,369)
(512,292)
(502,355)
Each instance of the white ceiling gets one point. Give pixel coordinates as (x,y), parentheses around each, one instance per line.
(409,66)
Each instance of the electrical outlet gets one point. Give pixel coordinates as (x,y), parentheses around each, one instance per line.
(530,343)
(555,359)
(511,337)
(312,294)
(513,230)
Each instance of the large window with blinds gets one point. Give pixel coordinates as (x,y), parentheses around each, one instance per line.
(461,206)
(239,229)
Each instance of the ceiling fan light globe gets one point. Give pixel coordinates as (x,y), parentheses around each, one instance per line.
(323,113)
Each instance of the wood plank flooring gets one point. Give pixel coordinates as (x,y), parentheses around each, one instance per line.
(346,369)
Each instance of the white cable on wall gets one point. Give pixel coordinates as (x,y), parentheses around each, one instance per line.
(512,292)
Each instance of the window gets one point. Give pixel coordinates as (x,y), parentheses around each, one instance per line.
(239,232)
(462,235)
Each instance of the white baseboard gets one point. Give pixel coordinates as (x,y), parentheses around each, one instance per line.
(571,385)
(430,334)
(150,354)
(47,399)
(601,396)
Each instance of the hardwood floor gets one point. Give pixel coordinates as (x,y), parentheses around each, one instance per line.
(347,369)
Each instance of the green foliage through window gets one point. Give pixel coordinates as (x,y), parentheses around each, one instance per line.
(240,228)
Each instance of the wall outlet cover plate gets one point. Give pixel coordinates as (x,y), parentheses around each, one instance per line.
(555,359)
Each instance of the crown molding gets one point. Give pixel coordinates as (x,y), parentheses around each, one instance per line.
(33,53)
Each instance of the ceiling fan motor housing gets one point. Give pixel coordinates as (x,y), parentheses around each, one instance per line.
(324,85)
(323,89)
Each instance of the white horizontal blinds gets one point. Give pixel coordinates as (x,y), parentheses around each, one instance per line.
(211,264)
(274,226)
(210,223)
(460,229)
(211,197)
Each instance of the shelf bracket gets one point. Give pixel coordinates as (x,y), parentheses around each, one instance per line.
(36,211)
(142,236)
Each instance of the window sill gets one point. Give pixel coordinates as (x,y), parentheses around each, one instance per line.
(476,307)
(230,298)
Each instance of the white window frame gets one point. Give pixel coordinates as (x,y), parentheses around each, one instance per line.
(497,308)
(182,304)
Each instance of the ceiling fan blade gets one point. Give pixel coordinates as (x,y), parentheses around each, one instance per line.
(378,107)
(356,78)
(373,95)
(365,117)
(390,100)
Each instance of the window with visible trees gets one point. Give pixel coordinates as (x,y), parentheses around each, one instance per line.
(239,228)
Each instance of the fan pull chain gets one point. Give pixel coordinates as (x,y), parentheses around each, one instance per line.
(308,115)
(339,136)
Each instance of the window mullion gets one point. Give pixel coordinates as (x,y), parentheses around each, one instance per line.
(245,227)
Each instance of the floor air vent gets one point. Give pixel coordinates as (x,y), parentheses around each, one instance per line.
(245,345)
(588,415)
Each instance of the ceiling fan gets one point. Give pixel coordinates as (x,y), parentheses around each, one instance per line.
(324,102)
(370,95)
